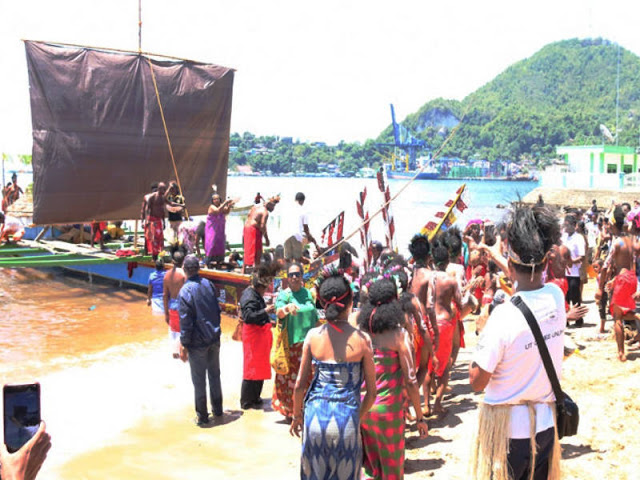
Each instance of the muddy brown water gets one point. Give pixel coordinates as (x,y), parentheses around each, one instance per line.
(51,320)
(55,328)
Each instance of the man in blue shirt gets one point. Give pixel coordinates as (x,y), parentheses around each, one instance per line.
(200,338)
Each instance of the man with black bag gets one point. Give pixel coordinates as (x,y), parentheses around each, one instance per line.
(200,338)
(517,418)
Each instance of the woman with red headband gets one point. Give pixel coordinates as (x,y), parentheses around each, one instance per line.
(383,427)
(342,356)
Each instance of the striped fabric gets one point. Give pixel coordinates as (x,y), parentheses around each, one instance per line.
(383,426)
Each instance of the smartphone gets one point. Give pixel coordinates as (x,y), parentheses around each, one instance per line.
(21,414)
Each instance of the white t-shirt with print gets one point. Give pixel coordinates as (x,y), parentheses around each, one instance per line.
(575,244)
(509,352)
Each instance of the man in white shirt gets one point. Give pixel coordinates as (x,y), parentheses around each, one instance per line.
(507,363)
(294,245)
(576,245)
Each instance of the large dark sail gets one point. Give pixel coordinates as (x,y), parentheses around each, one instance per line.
(98,138)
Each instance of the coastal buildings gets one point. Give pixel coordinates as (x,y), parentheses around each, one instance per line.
(599,167)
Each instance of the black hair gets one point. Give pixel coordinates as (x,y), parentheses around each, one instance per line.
(389,258)
(581,227)
(618,217)
(368,276)
(263,274)
(345,257)
(178,258)
(382,311)
(200,229)
(300,197)
(626,204)
(531,233)
(453,240)
(334,285)
(439,252)
(406,297)
(571,220)
(490,235)
(154,186)
(159,264)
(294,264)
(176,247)
(419,247)
(492,266)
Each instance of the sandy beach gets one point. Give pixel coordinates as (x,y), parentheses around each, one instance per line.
(127,412)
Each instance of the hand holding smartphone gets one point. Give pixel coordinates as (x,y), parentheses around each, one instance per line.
(21,414)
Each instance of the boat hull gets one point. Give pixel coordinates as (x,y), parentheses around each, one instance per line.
(397,175)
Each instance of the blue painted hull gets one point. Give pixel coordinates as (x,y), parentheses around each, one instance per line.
(398,175)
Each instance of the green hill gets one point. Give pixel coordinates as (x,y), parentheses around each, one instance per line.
(559,96)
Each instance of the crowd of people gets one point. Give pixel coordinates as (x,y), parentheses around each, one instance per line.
(367,338)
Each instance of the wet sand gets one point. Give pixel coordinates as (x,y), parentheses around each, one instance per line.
(126,412)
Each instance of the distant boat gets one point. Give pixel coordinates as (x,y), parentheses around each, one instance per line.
(427,172)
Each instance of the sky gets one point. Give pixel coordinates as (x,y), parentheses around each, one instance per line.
(315,71)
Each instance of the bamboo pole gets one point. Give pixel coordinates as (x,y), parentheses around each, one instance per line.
(135,236)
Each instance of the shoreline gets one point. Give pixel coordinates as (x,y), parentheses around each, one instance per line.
(131,414)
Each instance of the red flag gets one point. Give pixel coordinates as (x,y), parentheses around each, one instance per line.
(340,226)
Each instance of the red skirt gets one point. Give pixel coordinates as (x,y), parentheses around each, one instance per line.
(153,235)
(284,385)
(624,287)
(256,346)
(252,240)
(445,346)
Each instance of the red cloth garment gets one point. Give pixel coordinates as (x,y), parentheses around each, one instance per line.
(458,318)
(564,286)
(284,385)
(624,287)
(174,321)
(98,231)
(154,236)
(445,346)
(252,240)
(418,343)
(256,347)
(477,292)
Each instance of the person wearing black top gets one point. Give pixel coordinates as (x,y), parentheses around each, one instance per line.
(256,342)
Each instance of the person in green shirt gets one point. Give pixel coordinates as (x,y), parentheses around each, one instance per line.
(296,310)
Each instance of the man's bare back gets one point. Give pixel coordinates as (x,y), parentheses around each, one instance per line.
(173,281)
(445,293)
(420,288)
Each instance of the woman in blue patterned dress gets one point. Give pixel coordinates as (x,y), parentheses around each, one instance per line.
(342,356)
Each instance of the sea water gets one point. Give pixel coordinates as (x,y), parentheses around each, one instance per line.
(418,202)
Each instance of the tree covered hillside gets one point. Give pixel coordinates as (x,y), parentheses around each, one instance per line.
(559,96)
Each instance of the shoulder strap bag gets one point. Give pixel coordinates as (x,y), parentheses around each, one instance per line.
(567,413)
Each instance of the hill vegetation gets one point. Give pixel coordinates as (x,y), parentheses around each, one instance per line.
(559,96)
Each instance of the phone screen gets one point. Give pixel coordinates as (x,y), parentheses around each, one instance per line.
(21,414)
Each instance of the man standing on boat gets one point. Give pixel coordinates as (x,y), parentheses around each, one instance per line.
(154,217)
(200,338)
(254,229)
(294,245)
